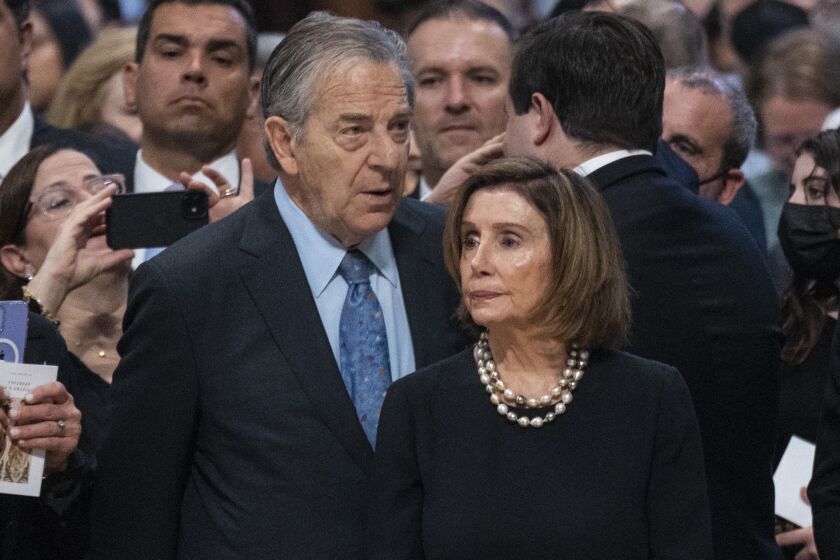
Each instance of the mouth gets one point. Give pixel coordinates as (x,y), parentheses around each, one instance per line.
(483,295)
(191,100)
(381,195)
(457,128)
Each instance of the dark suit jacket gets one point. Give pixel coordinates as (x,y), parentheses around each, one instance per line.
(232,434)
(704,303)
(824,489)
(111,155)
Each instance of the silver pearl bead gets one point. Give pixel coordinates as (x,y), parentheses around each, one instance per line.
(490,365)
(572,385)
(573,353)
(512,417)
(570,362)
(487,355)
(559,408)
(536,422)
(532,403)
(567,373)
(578,374)
(523,421)
(520,400)
(567,397)
(584,354)
(489,389)
(509,395)
(502,409)
(494,374)
(550,417)
(494,398)
(485,379)
(477,353)
(545,400)
(479,363)
(563,383)
(500,385)
(557,390)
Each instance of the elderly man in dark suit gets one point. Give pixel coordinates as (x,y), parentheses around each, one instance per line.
(257,351)
(587,92)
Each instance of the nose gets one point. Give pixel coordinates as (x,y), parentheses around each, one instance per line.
(387,154)
(481,260)
(194,69)
(457,97)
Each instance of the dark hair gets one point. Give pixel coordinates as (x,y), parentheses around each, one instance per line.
(469,9)
(19,9)
(241,6)
(807,300)
(70,29)
(759,23)
(603,73)
(14,207)
(588,300)
(566,6)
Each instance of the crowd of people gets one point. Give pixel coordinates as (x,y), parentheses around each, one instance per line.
(474,289)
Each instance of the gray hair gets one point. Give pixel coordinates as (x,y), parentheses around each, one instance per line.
(743,128)
(314,47)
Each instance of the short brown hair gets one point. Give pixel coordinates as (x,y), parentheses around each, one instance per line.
(14,207)
(588,300)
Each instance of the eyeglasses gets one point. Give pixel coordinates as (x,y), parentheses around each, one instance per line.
(58,200)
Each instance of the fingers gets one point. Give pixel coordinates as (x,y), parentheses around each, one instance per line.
(797,536)
(212,196)
(803,494)
(53,392)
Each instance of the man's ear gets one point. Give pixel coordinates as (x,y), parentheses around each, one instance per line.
(253,99)
(279,136)
(129,79)
(14,260)
(544,118)
(732,183)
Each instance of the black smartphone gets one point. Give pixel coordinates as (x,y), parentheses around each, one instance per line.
(142,220)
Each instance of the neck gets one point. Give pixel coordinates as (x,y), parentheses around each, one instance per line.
(570,153)
(91,316)
(171,162)
(529,362)
(432,174)
(13,109)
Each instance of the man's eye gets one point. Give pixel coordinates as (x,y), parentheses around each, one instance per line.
(484,79)
(352,131)
(223,60)
(429,81)
(683,148)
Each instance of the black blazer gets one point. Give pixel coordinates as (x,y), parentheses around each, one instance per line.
(232,433)
(618,476)
(111,154)
(824,489)
(704,303)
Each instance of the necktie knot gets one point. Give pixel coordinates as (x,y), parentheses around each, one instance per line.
(355,268)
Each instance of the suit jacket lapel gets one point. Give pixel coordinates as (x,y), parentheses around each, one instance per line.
(415,261)
(278,286)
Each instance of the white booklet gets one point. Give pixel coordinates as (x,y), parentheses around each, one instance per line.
(794,472)
(21,470)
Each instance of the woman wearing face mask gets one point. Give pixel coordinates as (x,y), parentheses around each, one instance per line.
(808,235)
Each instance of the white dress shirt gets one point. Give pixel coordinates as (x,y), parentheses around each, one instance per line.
(148,180)
(596,163)
(14,143)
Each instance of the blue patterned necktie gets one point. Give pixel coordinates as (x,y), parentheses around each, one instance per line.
(363,342)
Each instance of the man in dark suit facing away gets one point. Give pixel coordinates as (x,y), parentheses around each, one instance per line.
(586,92)
(257,350)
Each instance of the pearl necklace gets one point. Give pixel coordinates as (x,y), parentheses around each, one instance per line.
(504,398)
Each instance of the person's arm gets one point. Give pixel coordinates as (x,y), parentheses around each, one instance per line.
(678,504)
(824,488)
(395,512)
(144,462)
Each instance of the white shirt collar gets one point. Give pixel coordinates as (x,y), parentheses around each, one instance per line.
(424,189)
(596,163)
(14,143)
(147,179)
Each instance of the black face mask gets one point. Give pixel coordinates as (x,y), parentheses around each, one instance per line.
(809,237)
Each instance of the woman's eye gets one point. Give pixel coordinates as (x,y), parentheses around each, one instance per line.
(510,242)
(469,242)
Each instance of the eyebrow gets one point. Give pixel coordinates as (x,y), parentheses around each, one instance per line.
(212,44)
(434,68)
(499,226)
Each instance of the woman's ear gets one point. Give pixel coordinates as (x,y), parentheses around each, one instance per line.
(13,258)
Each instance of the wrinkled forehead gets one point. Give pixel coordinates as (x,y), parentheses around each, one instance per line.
(198,24)
(360,85)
